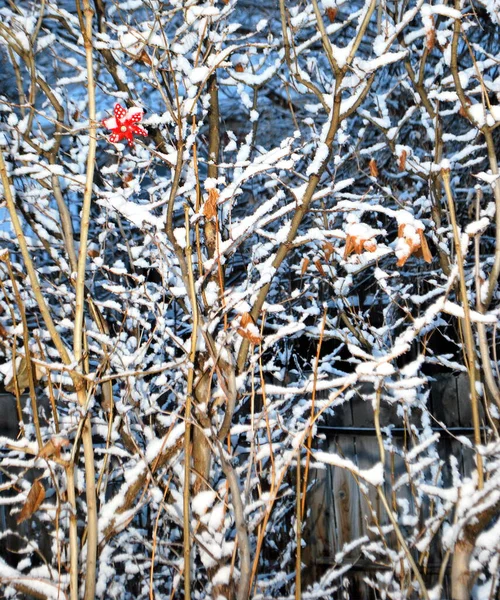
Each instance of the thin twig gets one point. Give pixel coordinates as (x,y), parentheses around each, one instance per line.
(468,336)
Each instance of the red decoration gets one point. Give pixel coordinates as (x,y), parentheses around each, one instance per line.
(124,124)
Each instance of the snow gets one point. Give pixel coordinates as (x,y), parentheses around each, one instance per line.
(223,576)
(374,475)
(203,501)
(48,588)
(368,66)
(199,74)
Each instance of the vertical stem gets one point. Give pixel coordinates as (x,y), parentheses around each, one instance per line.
(213,128)
(313,408)
(468,337)
(298,524)
(87,196)
(78,341)
(73,533)
(189,397)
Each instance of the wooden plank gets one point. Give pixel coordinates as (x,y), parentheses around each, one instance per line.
(346,497)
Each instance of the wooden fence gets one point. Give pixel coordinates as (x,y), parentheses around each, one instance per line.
(340,513)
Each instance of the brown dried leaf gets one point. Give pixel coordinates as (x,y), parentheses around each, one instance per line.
(246,318)
(35,497)
(249,335)
(328,249)
(403,260)
(239,68)
(3,332)
(319,266)
(53,447)
(21,378)
(373,168)
(305,264)
(144,58)
(370,245)
(426,253)
(248,329)
(402,160)
(349,246)
(331,13)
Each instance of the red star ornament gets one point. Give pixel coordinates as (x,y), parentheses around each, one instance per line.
(124,124)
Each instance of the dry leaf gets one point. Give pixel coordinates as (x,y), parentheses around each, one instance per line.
(210,206)
(93,253)
(402,160)
(239,68)
(417,247)
(424,248)
(32,504)
(331,13)
(349,246)
(53,447)
(3,332)
(357,244)
(319,266)
(373,168)
(328,249)
(246,318)
(144,58)
(305,264)
(21,378)
(370,245)
(248,329)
